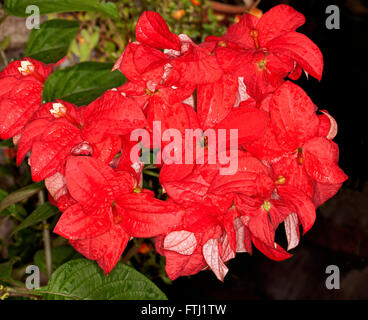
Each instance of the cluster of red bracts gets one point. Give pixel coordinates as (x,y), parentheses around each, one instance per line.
(287,161)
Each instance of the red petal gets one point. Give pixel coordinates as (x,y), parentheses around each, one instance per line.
(256,123)
(127,64)
(250,179)
(51,150)
(278,21)
(111,114)
(107,149)
(260,227)
(146,59)
(300,203)
(190,189)
(323,192)
(75,224)
(266,147)
(293,116)
(42,69)
(239,33)
(273,252)
(321,156)
(91,182)
(295,174)
(302,50)
(202,221)
(198,66)
(18,107)
(226,247)
(30,134)
(6,84)
(117,241)
(96,247)
(152,30)
(145,216)
(175,172)
(181,265)
(215,100)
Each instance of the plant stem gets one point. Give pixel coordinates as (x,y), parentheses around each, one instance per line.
(255,5)
(3,18)
(151,173)
(46,238)
(3,57)
(12,292)
(23,292)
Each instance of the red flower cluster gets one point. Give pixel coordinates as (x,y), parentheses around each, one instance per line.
(287,161)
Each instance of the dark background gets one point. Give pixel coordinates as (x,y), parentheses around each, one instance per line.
(340,234)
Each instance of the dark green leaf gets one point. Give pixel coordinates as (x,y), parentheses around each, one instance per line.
(43,212)
(20,195)
(18,7)
(6,268)
(82,83)
(51,42)
(84,279)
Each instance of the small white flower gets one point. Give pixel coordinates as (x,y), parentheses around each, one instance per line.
(58,110)
(26,67)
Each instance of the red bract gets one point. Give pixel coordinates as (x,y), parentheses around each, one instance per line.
(201,240)
(21,84)
(257,154)
(60,129)
(265,50)
(156,87)
(309,158)
(195,63)
(152,30)
(110,209)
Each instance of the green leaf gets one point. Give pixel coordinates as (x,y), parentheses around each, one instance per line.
(43,212)
(20,195)
(110,9)
(84,279)
(18,7)
(3,194)
(84,51)
(60,255)
(6,268)
(51,42)
(82,83)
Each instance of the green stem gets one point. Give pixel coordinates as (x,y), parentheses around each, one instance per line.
(20,292)
(151,173)
(3,57)
(4,17)
(46,238)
